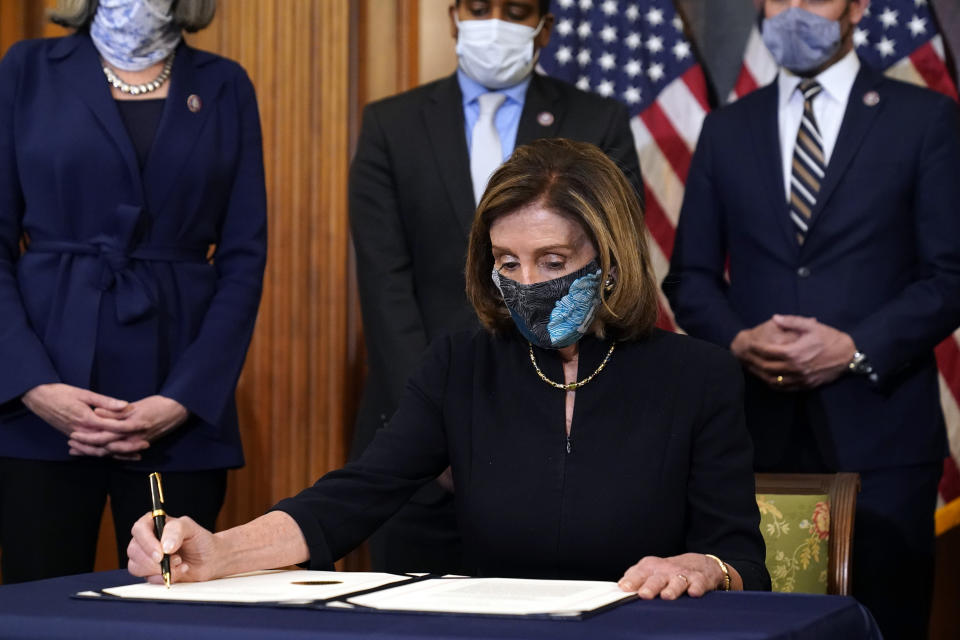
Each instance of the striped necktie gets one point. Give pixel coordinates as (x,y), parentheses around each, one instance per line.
(809,164)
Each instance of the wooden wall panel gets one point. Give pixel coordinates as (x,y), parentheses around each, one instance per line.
(20,19)
(436,57)
(296,394)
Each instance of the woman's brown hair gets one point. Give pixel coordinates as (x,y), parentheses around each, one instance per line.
(189,15)
(577,180)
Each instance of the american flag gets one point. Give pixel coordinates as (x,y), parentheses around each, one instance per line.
(900,38)
(637,53)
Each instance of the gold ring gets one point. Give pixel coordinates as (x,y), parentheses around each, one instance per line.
(779,379)
(683,577)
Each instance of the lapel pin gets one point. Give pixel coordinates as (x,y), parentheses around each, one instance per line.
(194,103)
(871,98)
(545,118)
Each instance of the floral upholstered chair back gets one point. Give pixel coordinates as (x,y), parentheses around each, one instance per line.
(807,524)
(796,529)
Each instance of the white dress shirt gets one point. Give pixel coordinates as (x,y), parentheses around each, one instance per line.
(828,108)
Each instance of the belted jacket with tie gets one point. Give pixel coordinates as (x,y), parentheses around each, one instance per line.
(107,281)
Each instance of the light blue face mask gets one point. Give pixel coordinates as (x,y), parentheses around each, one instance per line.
(134,34)
(801,41)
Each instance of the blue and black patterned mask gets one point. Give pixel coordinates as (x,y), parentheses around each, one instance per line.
(555,313)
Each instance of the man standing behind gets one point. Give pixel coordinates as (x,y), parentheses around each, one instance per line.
(423,159)
(831,195)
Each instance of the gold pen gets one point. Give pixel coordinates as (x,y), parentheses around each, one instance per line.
(159,519)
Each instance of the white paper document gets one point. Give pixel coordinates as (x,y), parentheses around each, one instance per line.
(262,586)
(496,596)
(449,594)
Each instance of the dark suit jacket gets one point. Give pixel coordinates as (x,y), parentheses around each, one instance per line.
(648,471)
(881,262)
(411,207)
(114,290)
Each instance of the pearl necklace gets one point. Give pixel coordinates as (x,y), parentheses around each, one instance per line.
(571,386)
(137,89)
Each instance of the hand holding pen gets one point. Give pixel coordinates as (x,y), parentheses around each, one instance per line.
(175,549)
(159,519)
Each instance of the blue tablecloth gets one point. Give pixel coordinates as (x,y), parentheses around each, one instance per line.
(45,609)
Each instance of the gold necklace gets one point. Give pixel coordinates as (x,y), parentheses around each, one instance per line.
(571,386)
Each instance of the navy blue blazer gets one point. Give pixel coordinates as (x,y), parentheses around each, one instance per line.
(114,291)
(881,262)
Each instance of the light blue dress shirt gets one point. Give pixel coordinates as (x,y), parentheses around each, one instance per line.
(507,119)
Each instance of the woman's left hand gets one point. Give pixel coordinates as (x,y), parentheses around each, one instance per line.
(150,418)
(692,573)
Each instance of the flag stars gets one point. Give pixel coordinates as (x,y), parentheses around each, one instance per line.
(583,83)
(608,61)
(608,34)
(583,57)
(633,68)
(565,4)
(610,7)
(655,44)
(655,72)
(885,47)
(860,37)
(632,95)
(889,18)
(632,13)
(920,3)
(677,23)
(584,30)
(565,27)
(917,26)
(654,17)
(563,55)
(605,88)
(586,5)
(633,40)
(681,50)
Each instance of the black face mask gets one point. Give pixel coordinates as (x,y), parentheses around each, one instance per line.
(555,313)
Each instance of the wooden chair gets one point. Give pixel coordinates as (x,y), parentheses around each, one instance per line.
(842,489)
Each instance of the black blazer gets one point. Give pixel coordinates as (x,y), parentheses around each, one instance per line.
(881,261)
(659,460)
(411,207)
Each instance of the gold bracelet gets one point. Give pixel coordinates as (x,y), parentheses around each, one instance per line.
(726,572)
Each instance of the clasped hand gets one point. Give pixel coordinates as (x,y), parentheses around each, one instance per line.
(98,425)
(794,352)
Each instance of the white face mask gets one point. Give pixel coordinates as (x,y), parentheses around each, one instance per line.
(495,53)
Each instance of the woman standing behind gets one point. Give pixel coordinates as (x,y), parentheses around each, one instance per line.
(124,155)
